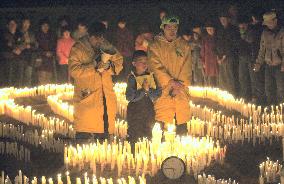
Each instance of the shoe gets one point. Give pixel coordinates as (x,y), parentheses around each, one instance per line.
(181,129)
(84,135)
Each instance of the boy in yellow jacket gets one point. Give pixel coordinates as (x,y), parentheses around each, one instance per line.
(170,60)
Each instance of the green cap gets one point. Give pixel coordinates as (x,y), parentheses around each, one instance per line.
(169,20)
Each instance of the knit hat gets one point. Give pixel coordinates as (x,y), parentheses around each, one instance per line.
(268,17)
(169,20)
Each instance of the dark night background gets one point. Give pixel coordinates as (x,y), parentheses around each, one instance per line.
(137,12)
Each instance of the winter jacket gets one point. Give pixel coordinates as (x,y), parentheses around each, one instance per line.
(46,43)
(209,56)
(63,49)
(245,48)
(124,42)
(227,40)
(171,60)
(91,87)
(271,49)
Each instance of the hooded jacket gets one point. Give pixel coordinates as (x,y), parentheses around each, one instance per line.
(90,88)
(171,60)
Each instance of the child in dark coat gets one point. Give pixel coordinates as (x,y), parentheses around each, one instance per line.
(141,91)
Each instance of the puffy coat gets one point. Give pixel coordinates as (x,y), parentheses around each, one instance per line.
(271,49)
(91,87)
(171,60)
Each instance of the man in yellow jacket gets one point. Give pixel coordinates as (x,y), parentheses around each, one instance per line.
(170,60)
(92,62)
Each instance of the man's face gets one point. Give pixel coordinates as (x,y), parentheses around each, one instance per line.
(141,64)
(170,31)
(224,21)
(45,27)
(233,10)
(197,30)
(121,25)
(12,26)
(210,30)
(272,24)
(26,24)
(96,41)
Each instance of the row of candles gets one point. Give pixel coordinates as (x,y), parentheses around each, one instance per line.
(62,108)
(58,106)
(225,99)
(228,101)
(16,150)
(203,179)
(46,140)
(43,90)
(147,156)
(22,179)
(235,132)
(29,116)
(270,172)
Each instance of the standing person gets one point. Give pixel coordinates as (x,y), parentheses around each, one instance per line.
(245,59)
(92,63)
(108,34)
(45,62)
(209,56)
(63,22)
(123,40)
(233,14)
(141,91)
(170,60)
(271,52)
(64,45)
(30,46)
(187,35)
(227,39)
(81,29)
(12,55)
(197,69)
(144,38)
(258,83)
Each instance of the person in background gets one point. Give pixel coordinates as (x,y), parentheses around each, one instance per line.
(29,46)
(104,20)
(209,56)
(271,52)
(144,38)
(81,29)
(141,92)
(123,40)
(169,57)
(245,59)
(45,61)
(197,69)
(63,21)
(64,45)
(233,14)
(258,87)
(12,55)
(227,39)
(187,35)
(92,63)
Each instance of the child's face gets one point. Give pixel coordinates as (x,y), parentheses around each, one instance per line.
(141,64)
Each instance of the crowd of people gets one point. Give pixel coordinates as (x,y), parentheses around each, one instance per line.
(241,54)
